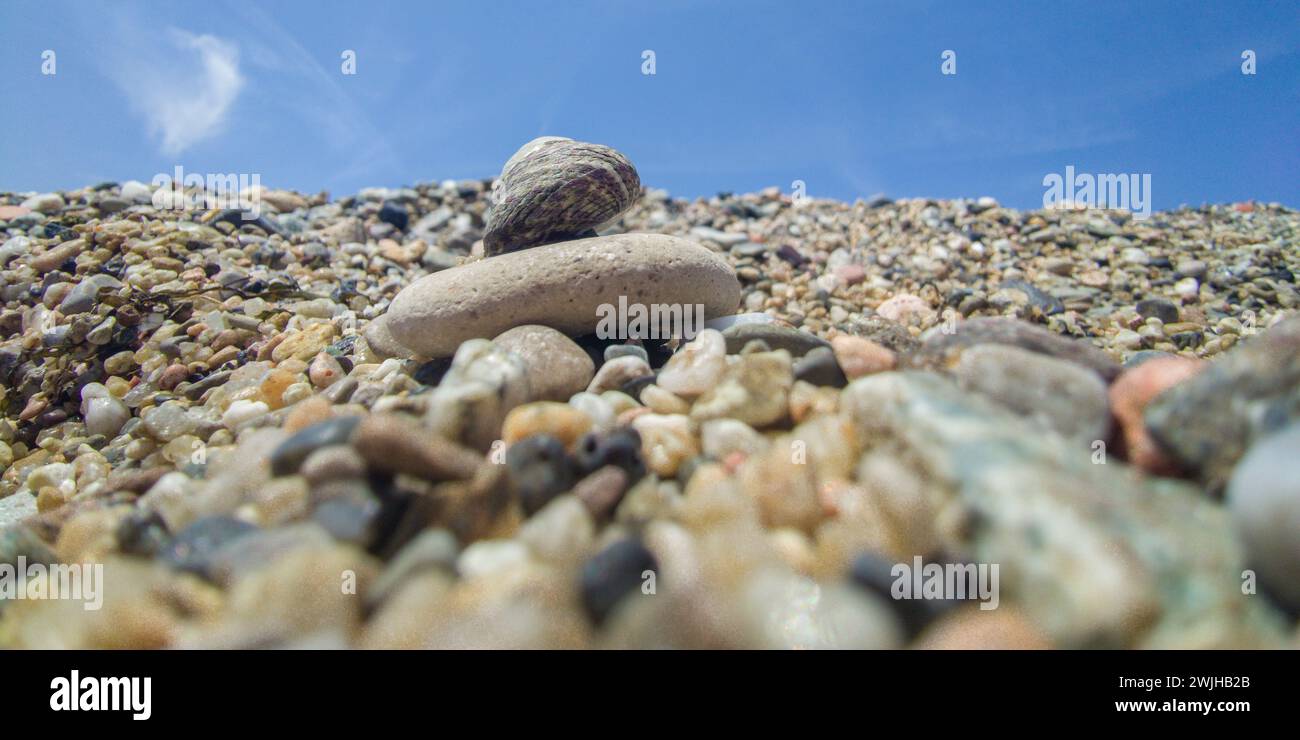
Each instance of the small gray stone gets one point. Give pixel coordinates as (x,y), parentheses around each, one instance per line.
(290,454)
(1161,308)
(193,548)
(820,367)
(83,296)
(626,350)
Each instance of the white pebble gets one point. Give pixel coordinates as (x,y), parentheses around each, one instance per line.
(697,367)
(104,415)
(600,411)
(487,557)
(242,411)
(721,437)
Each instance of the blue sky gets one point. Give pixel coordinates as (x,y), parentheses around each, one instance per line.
(845,96)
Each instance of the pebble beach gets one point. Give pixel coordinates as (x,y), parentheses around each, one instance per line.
(394,419)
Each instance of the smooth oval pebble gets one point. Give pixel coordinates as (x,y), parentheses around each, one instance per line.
(556,366)
(562,286)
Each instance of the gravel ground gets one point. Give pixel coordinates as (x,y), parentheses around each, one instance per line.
(1103,408)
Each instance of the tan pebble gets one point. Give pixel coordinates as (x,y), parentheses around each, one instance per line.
(906,309)
(136,480)
(267,350)
(222,356)
(696,368)
(324,370)
(858,356)
(602,490)
(299,591)
(713,497)
(661,401)
(630,415)
(36,405)
(617,372)
(666,441)
(173,376)
(1094,279)
(55,294)
(389,249)
(389,442)
(559,420)
(50,498)
(305,344)
(296,392)
(273,387)
(225,338)
(808,400)
(54,257)
(403,620)
(310,411)
(794,548)
(381,343)
(89,534)
(782,483)
(557,366)
(754,390)
(620,401)
(117,386)
(1003,628)
(292,365)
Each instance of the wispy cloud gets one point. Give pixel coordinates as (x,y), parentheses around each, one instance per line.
(314,94)
(183,88)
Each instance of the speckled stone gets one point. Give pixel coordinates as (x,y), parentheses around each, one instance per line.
(557,366)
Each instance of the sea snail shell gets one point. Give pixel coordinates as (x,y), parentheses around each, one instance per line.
(554,189)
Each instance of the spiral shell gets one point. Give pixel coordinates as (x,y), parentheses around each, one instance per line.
(554,189)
